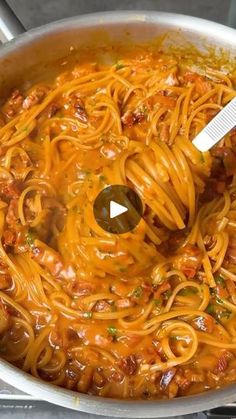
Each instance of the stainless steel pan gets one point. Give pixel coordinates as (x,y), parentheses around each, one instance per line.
(33,50)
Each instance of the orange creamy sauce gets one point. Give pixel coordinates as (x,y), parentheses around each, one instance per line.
(79,307)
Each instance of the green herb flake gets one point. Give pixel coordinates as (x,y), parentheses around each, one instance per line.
(112,330)
(119,66)
(30,238)
(218,300)
(174,337)
(122,269)
(225,314)
(87,314)
(202,158)
(188,291)
(219,280)
(138,292)
(167,294)
(210,309)
(157,302)
(102,178)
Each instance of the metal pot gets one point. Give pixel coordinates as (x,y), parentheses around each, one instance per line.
(34,50)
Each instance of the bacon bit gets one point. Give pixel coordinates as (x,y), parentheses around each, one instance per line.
(189,272)
(165,133)
(102,306)
(72,372)
(167,377)
(222,364)
(231,287)
(81,288)
(12,213)
(56,338)
(52,109)
(148,356)
(228,158)
(166,101)
(5,281)
(15,238)
(211,113)
(194,377)
(214,378)
(202,85)
(85,380)
(173,390)
(157,345)
(98,379)
(5,278)
(9,237)
(206,323)
(4,319)
(133,339)
(128,365)
(11,189)
(188,260)
(130,118)
(123,303)
(72,335)
(221,291)
(13,104)
(209,242)
(161,289)
(154,377)
(220,187)
(182,382)
(231,251)
(33,98)
(116,376)
(80,111)
(48,258)
(16,98)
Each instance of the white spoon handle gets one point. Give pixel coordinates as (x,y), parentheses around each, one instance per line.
(219,126)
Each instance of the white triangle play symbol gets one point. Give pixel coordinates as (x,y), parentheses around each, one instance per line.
(116,209)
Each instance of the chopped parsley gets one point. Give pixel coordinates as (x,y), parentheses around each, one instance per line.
(112,330)
(219,280)
(174,337)
(122,269)
(102,178)
(218,300)
(167,294)
(30,238)
(138,292)
(157,302)
(210,309)
(202,158)
(119,66)
(188,291)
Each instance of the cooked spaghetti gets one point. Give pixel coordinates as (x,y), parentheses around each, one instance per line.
(146,314)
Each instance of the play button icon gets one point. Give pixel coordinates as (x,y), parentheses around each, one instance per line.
(118,209)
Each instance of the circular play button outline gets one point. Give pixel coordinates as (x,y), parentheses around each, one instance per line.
(117,209)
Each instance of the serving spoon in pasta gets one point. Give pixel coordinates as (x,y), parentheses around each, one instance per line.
(218,127)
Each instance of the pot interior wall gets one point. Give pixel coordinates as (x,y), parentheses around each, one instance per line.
(40,51)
